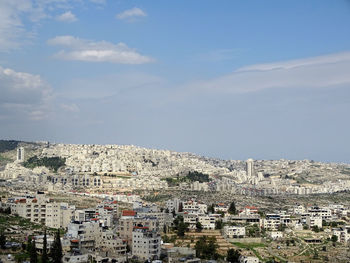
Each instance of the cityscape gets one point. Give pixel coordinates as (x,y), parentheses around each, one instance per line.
(119,203)
(179,131)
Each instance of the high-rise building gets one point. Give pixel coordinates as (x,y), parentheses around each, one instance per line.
(20,154)
(250,168)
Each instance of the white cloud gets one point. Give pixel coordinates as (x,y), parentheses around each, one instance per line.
(326,59)
(24,94)
(14,32)
(102,51)
(67,17)
(316,72)
(131,13)
(11,26)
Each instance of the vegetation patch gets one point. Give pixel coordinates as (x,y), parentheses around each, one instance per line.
(6,145)
(188,178)
(53,163)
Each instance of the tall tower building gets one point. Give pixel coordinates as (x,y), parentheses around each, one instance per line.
(20,154)
(250,168)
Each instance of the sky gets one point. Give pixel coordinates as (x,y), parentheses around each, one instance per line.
(226,79)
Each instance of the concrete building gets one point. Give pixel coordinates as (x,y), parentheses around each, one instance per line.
(20,154)
(312,221)
(250,168)
(173,205)
(41,210)
(234,231)
(59,215)
(145,243)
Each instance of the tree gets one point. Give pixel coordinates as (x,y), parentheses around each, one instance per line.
(199,227)
(211,209)
(2,240)
(232,255)
(281,227)
(334,238)
(315,229)
(232,209)
(33,255)
(166,239)
(219,224)
(44,258)
(56,249)
(29,245)
(177,221)
(181,229)
(206,248)
(253,230)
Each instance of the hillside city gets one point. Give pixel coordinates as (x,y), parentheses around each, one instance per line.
(113,203)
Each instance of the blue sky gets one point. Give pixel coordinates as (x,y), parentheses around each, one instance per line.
(227,79)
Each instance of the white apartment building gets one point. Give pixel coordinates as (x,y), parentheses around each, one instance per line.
(190,219)
(221,208)
(145,243)
(312,221)
(193,207)
(59,215)
(271,222)
(111,243)
(173,205)
(316,211)
(83,235)
(342,234)
(234,231)
(42,211)
(298,209)
(207,221)
(275,234)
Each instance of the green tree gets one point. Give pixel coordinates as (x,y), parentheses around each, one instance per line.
(334,238)
(199,227)
(281,227)
(211,209)
(211,249)
(233,255)
(2,240)
(232,209)
(56,249)
(219,224)
(182,229)
(44,257)
(166,239)
(177,221)
(33,255)
(315,229)
(206,248)
(29,245)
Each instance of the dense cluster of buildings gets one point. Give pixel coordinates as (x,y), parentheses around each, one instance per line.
(127,168)
(112,231)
